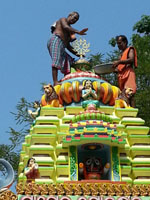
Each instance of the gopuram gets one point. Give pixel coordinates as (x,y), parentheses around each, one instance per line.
(87,142)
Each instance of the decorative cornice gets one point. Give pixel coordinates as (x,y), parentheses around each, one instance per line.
(8,195)
(93,187)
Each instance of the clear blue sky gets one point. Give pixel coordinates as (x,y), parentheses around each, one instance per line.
(25,29)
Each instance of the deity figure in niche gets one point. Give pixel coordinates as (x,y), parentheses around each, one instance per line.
(89,96)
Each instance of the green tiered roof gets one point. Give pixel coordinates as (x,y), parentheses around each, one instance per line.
(58,132)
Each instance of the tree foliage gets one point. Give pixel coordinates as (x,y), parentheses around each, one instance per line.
(141,41)
(8,152)
(11,152)
(143,26)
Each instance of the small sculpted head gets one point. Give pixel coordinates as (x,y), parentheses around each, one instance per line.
(88,84)
(30,162)
(128,92)
(48,89)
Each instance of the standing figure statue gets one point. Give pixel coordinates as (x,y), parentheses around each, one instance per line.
(124,67)
(63,34)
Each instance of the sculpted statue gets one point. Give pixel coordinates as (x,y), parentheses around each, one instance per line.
(123,100)
(31,170)
(89,95)
(50,97)
(35,113)
(92,169)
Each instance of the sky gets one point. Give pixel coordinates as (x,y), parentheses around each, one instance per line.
(25,29)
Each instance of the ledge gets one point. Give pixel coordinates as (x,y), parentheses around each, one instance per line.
(126,112)
(52,111)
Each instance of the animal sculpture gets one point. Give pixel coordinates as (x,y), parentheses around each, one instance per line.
(50,97)
(123,100)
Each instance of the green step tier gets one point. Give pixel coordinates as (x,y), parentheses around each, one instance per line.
(141,161)
(132,121)
(62,173)
(125,150)
(125,160)
(128,112)
(127,179)
(44,161)
(72,110)
(106,109)
(145,181)
(137,139)
(64,128)
(22,155)
(44,129)
(60,136)
(137,130)
(141,172)
(140,150)
(47,120)
(62,160)
(125,170)
(52,111)
(41,150)
(67,119)
(61,150)
(47,139)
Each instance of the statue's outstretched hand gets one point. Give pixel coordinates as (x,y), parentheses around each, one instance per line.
(82,32)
